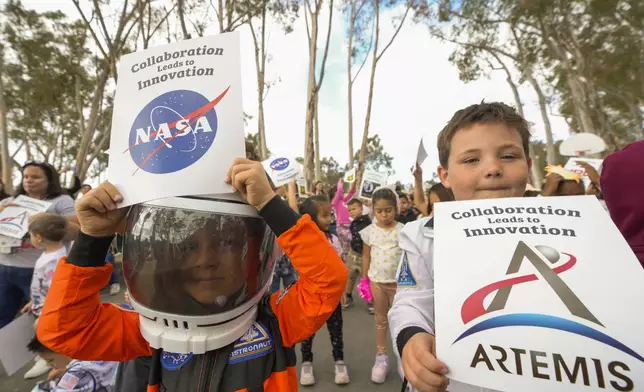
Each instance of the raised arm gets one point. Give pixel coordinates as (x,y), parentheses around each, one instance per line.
(73,321)
(352,192)
(306,305)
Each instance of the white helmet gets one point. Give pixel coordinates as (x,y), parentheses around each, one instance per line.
(196,268)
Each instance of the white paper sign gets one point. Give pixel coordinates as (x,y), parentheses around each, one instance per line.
(13,340)
(281,169)
(371,180)
(422,153)
(14,220)
(537,294)
(350,176)
(572,166)
(302,189)
(178,119)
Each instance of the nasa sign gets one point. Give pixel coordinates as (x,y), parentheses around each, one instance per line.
(281,169)
(172,132)
(175,131)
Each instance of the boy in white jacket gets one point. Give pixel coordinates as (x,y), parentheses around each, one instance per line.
(483,153)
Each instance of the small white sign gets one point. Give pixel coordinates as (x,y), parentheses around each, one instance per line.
(14,220)
(422,153)
(572,166)
(178,119)
(537,294)
(371,180)
(350,176)
(281,169)
(302,188)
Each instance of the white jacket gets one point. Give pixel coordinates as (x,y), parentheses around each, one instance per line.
(414,301)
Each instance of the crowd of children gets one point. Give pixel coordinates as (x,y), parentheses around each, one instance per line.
(483,152)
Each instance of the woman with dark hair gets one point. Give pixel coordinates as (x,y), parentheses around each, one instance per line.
(318,189)
(39,181)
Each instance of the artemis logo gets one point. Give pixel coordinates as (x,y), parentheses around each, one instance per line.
(18,220)
(510,359)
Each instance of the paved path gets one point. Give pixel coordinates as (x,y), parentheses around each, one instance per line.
(359,356)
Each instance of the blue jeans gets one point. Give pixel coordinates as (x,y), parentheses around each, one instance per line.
(14,288)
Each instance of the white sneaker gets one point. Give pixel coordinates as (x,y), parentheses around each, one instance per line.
(40,368)
(341,373)
(380,369)
(306,374)
(115,288)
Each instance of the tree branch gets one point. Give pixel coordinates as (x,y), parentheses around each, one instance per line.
(89,27)
(101,22)
(402,21)
(326,48)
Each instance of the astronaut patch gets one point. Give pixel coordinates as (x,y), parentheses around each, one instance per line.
(173,361)
(405,276)
(255,343)
(68,381)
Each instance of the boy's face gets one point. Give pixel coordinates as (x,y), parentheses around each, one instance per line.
(355,210)
(486,161)
(404,205)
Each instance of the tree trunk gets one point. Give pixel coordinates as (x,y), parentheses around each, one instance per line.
(318,169)
(536,166)
(543,106)
(7,167)
(220,15)
(90,126)
(182,19)
(372,78)
(309,146)
(350,81)
(260,66)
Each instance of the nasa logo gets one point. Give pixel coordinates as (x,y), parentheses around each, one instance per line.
(173,361)
(256,342)
(280,164)
(173,131)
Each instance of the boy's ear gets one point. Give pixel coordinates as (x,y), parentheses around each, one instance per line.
(442,175)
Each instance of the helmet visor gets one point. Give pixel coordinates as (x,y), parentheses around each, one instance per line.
(195,262)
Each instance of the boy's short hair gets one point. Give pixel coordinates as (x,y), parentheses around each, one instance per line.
(403,196)
(35,346)
(482,113)
(355,201)
(52,227)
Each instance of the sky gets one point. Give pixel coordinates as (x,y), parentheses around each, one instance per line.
(416,91)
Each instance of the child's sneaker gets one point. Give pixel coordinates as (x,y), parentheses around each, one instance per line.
(370,307)
(348,303)
(341,373)
(380,370)
(115,288)
(40,368)
(306,374)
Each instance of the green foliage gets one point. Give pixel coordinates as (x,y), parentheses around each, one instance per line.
(47,62)
(376,158)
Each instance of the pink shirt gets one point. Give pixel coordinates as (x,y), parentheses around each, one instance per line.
(339,204)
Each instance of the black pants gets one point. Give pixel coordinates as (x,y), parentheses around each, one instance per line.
(334,325)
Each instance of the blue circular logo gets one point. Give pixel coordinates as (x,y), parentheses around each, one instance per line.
(172,132)
(280,164)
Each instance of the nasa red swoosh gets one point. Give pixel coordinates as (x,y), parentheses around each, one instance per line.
(473,305)
(192,117)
